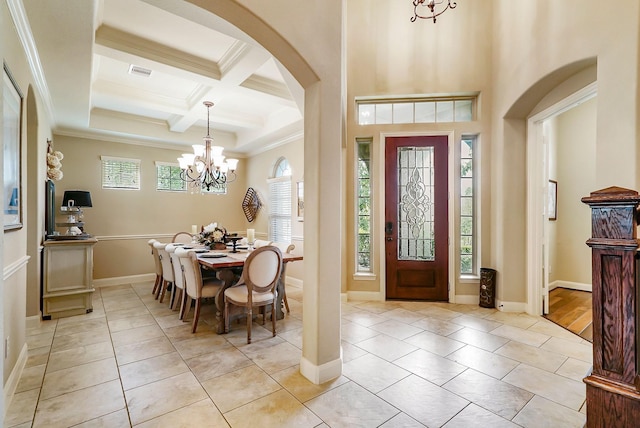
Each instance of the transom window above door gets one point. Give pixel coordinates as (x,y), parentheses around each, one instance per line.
(416,110)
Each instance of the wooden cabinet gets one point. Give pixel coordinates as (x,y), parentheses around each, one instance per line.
(68,277)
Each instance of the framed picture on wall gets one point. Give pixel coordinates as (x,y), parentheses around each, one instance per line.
(12,120)
(552,209)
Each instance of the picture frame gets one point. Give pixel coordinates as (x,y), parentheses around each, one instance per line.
(552,207)
(300,196)
(12,133)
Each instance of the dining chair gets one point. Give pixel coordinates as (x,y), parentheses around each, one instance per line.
(158,266)
(196,288)
(182,237)
(260,243)
(178,279)
(167,270)
(256,286)
(285,248)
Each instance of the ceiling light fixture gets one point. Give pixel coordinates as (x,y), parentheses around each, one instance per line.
(206,167)
(432,5)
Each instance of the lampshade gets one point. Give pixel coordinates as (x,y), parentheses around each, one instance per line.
(80,198)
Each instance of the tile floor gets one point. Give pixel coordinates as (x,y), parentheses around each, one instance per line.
(406,364)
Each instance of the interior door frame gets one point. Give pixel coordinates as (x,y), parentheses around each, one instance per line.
(537,188)
(451,150)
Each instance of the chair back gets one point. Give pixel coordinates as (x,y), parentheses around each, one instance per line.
(178,279)
(167,269)
(182,237)
(262,269)
(191,271)
(156,257)
(260,243)
(284,247)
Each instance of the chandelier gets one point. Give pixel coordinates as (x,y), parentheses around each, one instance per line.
(206,167)
(432,5)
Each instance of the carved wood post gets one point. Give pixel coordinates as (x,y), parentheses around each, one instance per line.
(613,394)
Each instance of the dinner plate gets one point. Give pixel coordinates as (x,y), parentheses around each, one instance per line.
(200,251)
(213,255)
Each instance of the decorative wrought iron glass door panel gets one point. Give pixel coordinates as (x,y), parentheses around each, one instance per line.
(416,222)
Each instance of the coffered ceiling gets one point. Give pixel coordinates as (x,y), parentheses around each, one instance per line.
(138,71)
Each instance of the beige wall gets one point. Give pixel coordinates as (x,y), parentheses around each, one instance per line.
(573,140)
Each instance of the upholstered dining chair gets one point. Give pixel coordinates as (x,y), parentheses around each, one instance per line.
(196,287)
(158,266)
(285,248)
(182,237)
(260,243)
(167,270)
(256,286)
(178,279)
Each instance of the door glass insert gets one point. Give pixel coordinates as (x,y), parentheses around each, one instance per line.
(416,181)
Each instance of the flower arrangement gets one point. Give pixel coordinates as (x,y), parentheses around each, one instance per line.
(53,162)
(212,234)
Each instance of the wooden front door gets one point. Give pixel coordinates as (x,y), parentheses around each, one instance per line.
(416,218)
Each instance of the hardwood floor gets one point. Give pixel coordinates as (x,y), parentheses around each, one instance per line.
(571,309)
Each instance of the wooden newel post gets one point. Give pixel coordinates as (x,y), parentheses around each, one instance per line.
(613,387)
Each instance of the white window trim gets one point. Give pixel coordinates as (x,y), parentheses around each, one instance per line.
(364,274)
(173,164)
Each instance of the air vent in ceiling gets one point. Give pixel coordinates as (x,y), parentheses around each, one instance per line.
(139,71)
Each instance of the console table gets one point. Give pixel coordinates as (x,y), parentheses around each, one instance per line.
(67,277)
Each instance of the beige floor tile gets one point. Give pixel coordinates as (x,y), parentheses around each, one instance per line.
(38,356)
(151,370)
(208,366)
(431,342)
(39,340)
(240,387)
(431,367)
(79,406)
(377,307)
(78,377)
(125,313)
(118,419)
(440,313)
(579,351)
(159,398)
(476,323)
(437,326)
(519,335)
(22,407)
(361,371)
(351,352)
(171,320)
(294,337)
(474,416)
(275,358)
(574,369)
(479,339)
(483,361)
(79,325)
(131,322)
(354,333)
(411,394)
(199,345)
(402,420)
(403,315)
(501,398)
(31,378)
(69,341)
(276,410)
(350,405)
(387,347)
(45,326)
(135,335)
(76,356)
(200,414)
(532,356)
(569,393)
(364,318)
(121,302)
(396,329)
(520,320)
(141,350)
(183,332)
(550,329)
(301,387)
(555,415)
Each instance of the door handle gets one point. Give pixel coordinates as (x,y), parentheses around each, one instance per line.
(389,238)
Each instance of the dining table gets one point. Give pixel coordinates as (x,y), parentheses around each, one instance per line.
(228,267)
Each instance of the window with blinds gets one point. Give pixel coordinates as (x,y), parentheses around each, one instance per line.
(120,173)
(168,177)
(280,209)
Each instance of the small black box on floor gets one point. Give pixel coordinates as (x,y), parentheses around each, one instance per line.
(487,288)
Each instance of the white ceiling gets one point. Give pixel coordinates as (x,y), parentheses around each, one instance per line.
(86,47)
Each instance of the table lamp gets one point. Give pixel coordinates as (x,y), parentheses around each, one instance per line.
(76,200)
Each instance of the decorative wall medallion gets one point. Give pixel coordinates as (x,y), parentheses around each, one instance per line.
(251,204)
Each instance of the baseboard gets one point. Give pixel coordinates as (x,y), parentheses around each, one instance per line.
(570,285)
(294,282)
(34,321)
(344,298)
(360,296)
(119,280)
(467,299)
(504,306)
(12,382)
(323,373)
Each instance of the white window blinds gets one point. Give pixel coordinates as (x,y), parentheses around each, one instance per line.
(280,209)
(120,173)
